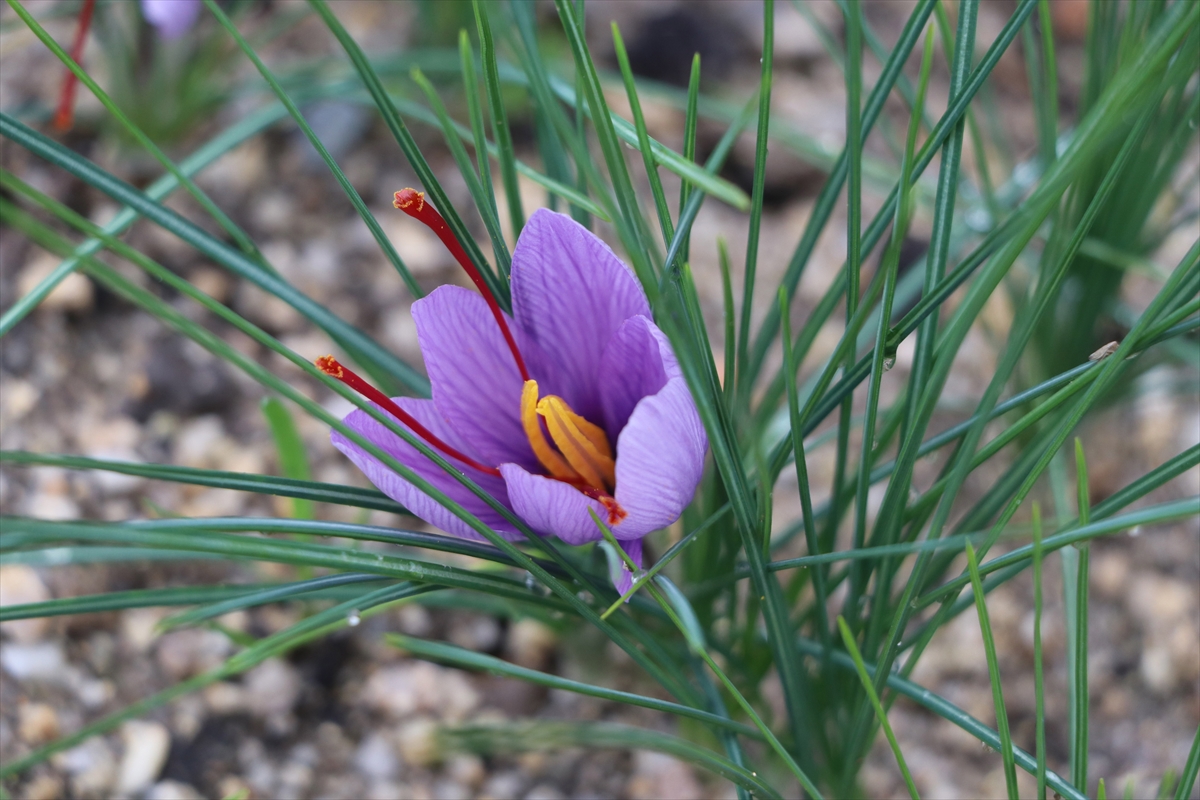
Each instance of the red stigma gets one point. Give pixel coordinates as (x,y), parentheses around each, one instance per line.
(615,512)
(331,367)
(412,202)
(64,116)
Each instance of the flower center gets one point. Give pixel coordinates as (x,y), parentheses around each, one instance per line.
(586,457)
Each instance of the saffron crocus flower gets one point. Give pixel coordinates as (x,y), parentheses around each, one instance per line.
(573,405)
(171,18)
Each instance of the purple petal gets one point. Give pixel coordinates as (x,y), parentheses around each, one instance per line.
(408,495)
(551,507)
(571,294)
(623,580)
(637,362)
(660,458)
(171,18)
(476,384)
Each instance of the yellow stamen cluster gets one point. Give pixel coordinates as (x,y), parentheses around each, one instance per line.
(583,455)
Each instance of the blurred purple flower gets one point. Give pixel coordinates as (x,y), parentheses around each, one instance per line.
(171,18)
(601,372)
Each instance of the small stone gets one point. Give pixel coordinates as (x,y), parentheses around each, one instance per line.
(386,790)
(544,792)
(43,787)
(1159,601)
(450,790)
(294,780)
(91,767)
(478,633)
(146,748)
(1109,574)
(224,697)
(18,399)
(530,643)
(417,742)
(466,769)
(376,759)
(503,786)
(38,723)
(414,620)
(272,688)
(197,439)
(233,786)
(404,689)
(20,584)
(213,282)
(172,790)
(139,627)
(51,507)
(43,661)
(182,654)
(659,776)
(73,293)
(1158,669)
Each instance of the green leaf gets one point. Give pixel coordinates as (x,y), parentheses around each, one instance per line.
(467,659)
(880,714)
(293,460)
(541,735)
(310,491)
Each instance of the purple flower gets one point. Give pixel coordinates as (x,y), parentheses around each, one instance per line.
(605,424)
(172,18)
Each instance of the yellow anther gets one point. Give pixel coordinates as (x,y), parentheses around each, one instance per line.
(551,460)
(584,445)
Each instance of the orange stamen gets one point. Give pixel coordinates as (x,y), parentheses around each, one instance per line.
(583,444)
(64,116)
(546,454)
(330,366)
(412,202)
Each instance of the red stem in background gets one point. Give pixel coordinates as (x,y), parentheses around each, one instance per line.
(412,202)
(64,116)
(330,366)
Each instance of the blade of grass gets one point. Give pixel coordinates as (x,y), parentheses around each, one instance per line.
(667,158)
(989,646)
(691,115)
(484,199)
(542,735)
(475,114)
(639,122)
(1187,778)
(491,81)
(947,711)
(1078,684)
(757,188)
(1039,691)
(869,688)
(444,653)
(118,601)
(262,596)
(293,460)
(819,574)
(310,491)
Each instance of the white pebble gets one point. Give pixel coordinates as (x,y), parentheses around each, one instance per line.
(146,748)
